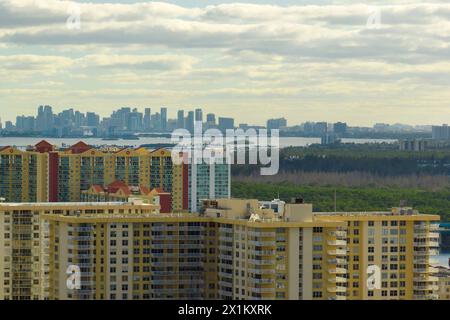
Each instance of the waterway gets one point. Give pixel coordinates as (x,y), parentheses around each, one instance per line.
(23,142)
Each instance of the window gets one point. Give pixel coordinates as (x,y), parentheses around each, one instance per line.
(317,294)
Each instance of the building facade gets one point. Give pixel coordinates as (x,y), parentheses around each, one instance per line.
(23,175)
(401,243)
(43,173)
(232,249)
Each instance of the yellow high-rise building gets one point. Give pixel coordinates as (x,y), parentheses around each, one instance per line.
(23,175)
(400,243)
(233,249)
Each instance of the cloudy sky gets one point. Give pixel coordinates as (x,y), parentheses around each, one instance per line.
(361,62)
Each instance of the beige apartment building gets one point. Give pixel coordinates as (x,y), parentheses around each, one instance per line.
(233,249)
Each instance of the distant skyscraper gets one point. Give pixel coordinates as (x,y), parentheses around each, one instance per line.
(340,128)
(320,128)
(276,123)
(180,119)
(226,123)
(190,121)
(210,120)
(92,119)
(135,120)
(199,115)
(44,121)
(163,119)
(9,126)
(156,122)
(441,132)
(147,119)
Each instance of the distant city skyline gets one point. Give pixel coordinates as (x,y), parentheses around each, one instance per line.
(165,119)
(302,60)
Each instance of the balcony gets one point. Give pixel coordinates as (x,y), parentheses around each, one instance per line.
(263,290)
(337,280)
(226,239)
(433,244)
(337,252)
(427,235)
(426,279)
(340,234)
(337,289)
(259,271)
(261,243)
(262,262)
(337,243)
(338,261)
(337,271)
(261,281)
(426,297)
(338,298)
(433,270)
(426,253)
(434,227)
(426,288)
(262,234)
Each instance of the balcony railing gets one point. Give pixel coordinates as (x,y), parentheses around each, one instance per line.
(337,271)
(337,289)
(426,297)
(337,252)
(337,280)
(337,243)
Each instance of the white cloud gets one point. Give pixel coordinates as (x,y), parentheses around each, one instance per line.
(312,55)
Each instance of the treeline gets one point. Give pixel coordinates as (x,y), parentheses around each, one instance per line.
(376,159)
(349,199)
(351,179)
